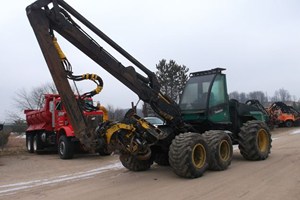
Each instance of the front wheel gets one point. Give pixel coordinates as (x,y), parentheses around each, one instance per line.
(189,155)
(255,140)
(65,147)
(132,162)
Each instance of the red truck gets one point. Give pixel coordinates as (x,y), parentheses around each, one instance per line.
(50,127)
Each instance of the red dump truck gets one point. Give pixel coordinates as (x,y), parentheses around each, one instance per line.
(49,127)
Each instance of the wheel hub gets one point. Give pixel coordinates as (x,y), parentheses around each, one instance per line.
(224,150)
(62,147)
(199,155)
(34,145)
(28,145)
(262,140)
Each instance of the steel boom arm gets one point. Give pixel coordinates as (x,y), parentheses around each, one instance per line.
(59,18)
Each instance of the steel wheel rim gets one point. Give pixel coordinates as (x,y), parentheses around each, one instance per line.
(224,150)
(34,144)
(62,147)
(199,156)
(262,140)
(28,144)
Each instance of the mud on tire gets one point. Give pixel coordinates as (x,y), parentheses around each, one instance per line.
(221,150)
(255,140)
(188,155)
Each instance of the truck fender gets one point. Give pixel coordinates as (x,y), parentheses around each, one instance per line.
(66,130)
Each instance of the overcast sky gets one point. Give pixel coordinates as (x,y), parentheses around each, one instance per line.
(257,41)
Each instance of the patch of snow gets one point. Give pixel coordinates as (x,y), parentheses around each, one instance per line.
(13,188)
(295,132)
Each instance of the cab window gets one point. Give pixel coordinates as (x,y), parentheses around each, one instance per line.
(218,91)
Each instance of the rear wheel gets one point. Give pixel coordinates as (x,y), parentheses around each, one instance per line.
(65,147)
(221,149)
(29,143)
(255,140)
(132,162)
(37,143)
(188,155)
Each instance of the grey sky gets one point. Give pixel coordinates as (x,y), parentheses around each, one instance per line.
(256,40)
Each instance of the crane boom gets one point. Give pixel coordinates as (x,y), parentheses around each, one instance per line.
(49,16)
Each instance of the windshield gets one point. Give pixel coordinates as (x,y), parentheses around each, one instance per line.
(154,120)
(88,101)
(195,94)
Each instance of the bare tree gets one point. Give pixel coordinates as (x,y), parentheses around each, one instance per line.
(258,95)
(24,100)
(243,97)
(234,95)
(281,95)
(115,114)
(35,98)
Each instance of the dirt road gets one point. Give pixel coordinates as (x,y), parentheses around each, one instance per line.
(29,176)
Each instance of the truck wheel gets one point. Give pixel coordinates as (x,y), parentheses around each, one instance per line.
(133,163)
(221,150)
(255,140)
(289,123)
(37,144)
(29,143)
(65,148)
(189,155)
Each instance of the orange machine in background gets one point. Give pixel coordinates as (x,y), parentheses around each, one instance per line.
(285,115)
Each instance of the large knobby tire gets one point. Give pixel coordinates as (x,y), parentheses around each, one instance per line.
(132,162)
(221,150)
(255,140)
(65,147)
(29,143)
(189,155)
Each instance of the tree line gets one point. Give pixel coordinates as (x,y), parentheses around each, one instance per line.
(172,78)
(279,95)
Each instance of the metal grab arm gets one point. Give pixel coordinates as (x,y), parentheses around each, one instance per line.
(45,20)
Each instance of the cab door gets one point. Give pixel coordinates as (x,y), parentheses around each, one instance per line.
(218,105)
(59,115)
